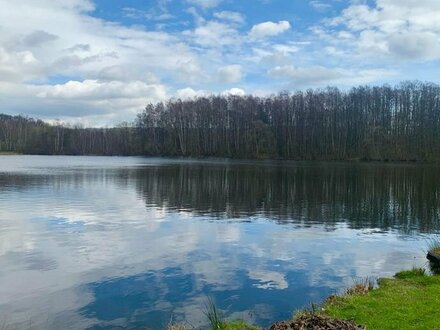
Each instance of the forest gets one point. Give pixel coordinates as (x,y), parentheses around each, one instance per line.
(388,123)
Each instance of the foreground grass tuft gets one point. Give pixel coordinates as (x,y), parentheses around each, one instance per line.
(360,287)
(408,301)
(413,273)
(434,245)
(215,316)
(218,322)
(235,325)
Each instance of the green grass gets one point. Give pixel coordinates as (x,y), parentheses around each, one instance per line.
(360,286)
(218,322)
(234,325)
(411,300)
(214,316)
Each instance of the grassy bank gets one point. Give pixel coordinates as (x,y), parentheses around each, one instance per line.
(410,300)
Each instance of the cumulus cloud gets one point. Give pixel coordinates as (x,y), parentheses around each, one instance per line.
(214,34)
(60,59)
(97,90)
(276,54)
(269,29)
(230,73)
(234,91)
(415,45)
(409,30)
(189,93)
(41,39)
(320,75)
(38,38)
(310,74)
(190,71)
(90,101)
(18,65)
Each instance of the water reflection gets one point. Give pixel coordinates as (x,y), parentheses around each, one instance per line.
(364,196)
(107,243)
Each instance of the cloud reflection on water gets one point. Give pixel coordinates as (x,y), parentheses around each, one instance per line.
(131,246)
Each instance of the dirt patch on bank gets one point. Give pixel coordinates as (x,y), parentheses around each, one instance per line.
(315,322)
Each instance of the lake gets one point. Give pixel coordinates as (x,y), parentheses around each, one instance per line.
(113,242)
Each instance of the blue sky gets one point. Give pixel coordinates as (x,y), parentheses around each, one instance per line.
(99,62)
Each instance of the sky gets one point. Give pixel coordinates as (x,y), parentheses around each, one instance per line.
(99,62)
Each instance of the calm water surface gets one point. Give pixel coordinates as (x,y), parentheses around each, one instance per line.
(107,243)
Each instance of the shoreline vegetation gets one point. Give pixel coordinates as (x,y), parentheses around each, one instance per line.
(410,300)
(382,123)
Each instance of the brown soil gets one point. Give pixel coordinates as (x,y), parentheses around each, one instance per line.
(315,322)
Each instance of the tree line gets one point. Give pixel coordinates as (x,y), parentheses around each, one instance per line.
(25,135)
(370,123)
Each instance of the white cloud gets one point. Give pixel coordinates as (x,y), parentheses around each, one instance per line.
(231,16)
(234,91)
(276,54)
(18,65)
(40,39)
(310,74)
(58,48)
(214,34)
(269,29)
(320,75)
(189,93)
(409,30)
(121,73)
(100,90)
(205,3)
(414,45)
(268,279)
(190,71)
(230,73)
(286,48)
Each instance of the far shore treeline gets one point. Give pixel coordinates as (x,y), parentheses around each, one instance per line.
(370,123)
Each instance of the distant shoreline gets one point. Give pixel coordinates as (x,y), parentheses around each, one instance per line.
(261,160)
(9,153)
